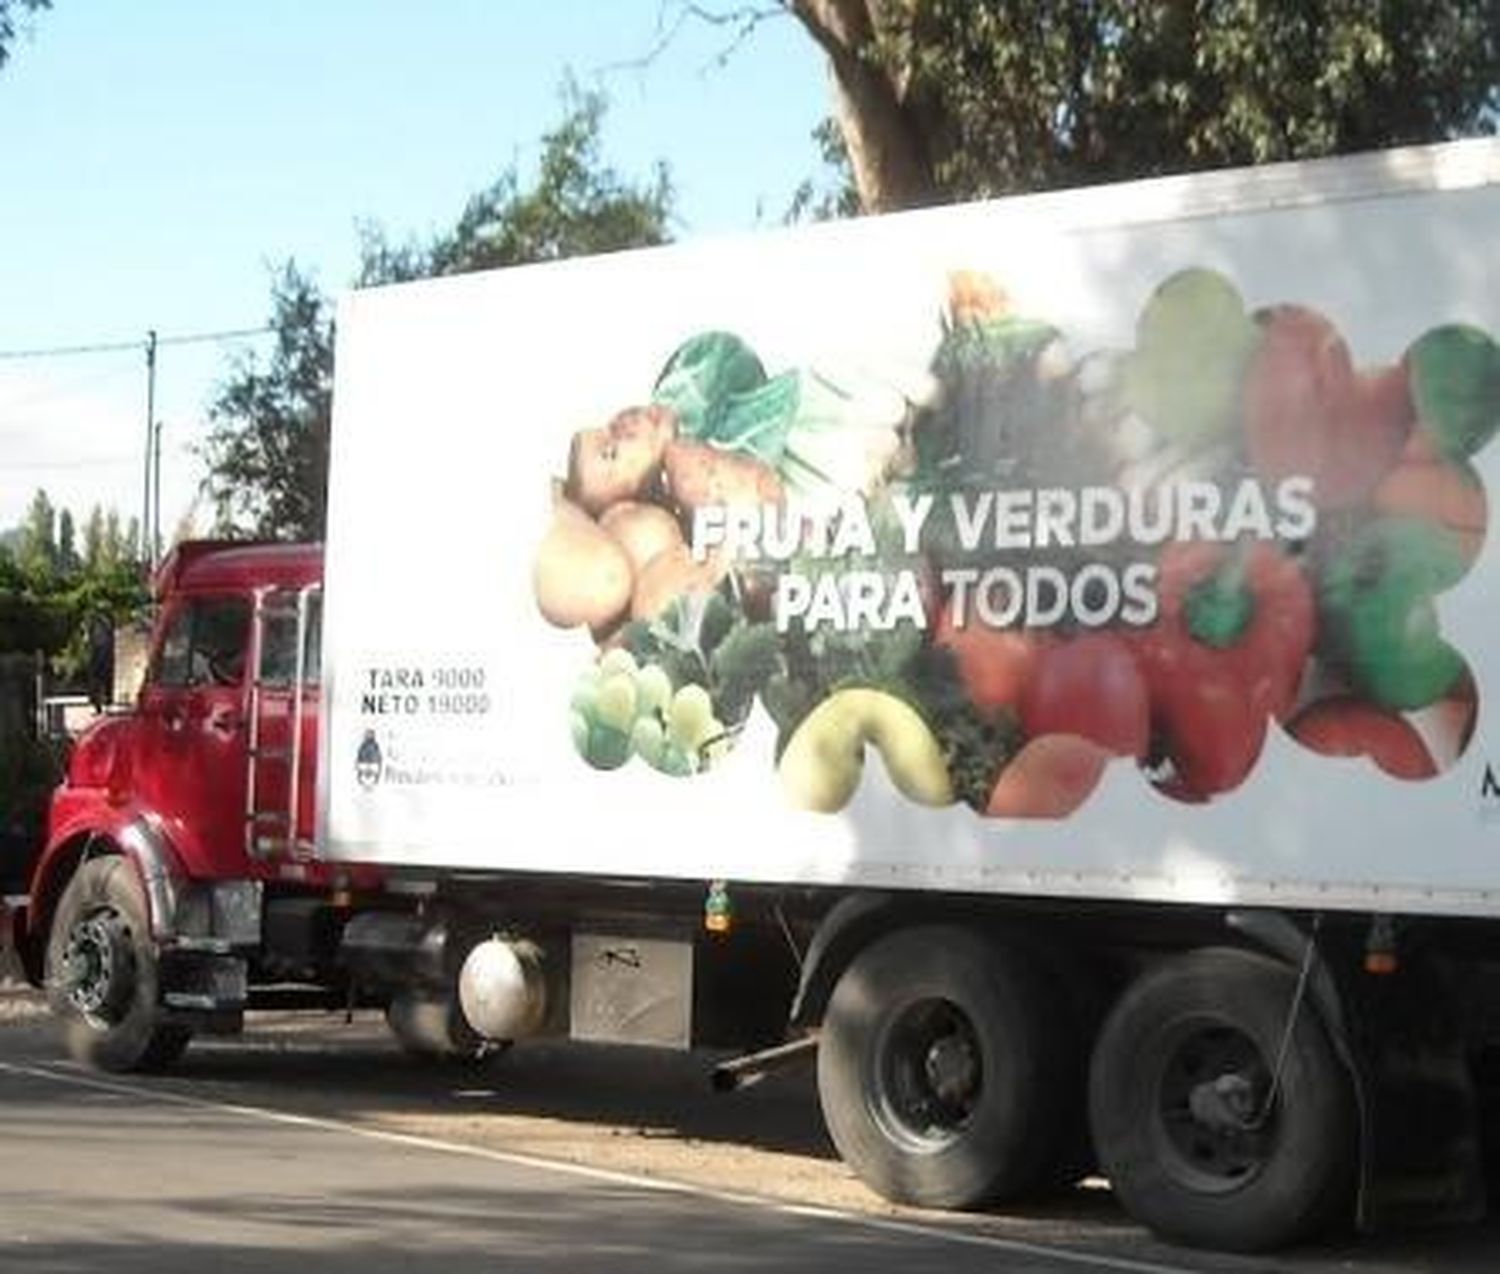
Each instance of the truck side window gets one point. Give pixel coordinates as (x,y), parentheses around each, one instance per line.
(204,644)
(278,651)
(278,656)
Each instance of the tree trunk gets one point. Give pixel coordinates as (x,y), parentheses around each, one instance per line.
(886,149)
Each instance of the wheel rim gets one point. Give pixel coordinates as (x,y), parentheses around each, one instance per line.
(929,1075)
(98,966)
(1213,1125)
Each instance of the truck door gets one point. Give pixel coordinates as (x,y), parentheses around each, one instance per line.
(190,746)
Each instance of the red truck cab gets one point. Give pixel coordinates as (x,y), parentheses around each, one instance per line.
(184,827)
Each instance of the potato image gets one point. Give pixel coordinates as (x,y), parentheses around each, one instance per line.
(702,476)
(620,461)
(642,530)
(581,574)
(668,576)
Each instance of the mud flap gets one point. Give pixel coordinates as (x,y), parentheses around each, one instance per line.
(1426,1163)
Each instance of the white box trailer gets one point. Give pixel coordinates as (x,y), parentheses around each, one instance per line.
(1275,320)
(1067,620)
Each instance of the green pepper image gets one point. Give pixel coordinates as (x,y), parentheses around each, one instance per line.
(1455,383)
(1376,608)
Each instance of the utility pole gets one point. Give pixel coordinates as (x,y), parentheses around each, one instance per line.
(156,498)
(148,543)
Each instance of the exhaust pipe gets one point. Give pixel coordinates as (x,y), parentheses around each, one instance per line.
(741,1072)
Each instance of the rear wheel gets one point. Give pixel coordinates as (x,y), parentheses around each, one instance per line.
(940,1070)
(102,973)
(1200,1136)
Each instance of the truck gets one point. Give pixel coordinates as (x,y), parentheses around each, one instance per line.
(1026,658)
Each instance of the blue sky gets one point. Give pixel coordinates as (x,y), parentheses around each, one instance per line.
(159,158)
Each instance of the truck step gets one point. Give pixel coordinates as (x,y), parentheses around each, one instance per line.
(271,754)
(276,818)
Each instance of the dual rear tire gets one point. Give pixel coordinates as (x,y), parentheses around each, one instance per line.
(946,1075)
(1222,1115)
(956,1071)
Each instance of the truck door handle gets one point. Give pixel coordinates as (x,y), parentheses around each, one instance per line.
(173,719)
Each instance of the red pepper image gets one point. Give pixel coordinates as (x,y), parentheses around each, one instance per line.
(1225,655)
(1309,412)
(1089,686)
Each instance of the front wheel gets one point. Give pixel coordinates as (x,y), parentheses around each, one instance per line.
(943,1070)
(102,974)
(1220,1112)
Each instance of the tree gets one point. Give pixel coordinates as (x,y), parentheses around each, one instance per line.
(579,205)
(37,556)
(48,594)
(9,9)
(267,453)
(268,448)
(942,99)
(68,561)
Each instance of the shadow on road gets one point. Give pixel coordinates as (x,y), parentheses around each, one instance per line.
(351,1068)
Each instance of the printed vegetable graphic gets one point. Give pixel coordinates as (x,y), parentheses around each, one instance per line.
(699,475)
(996,664)
(1001,378)
(821,765)
(669,575)
(1350,727)
(1309,412)
(1153,553)
(581,576)
(1225,656)
(621,708)
(704,375)
(820,435)
(1376,607)
(1091,687)
(644,531)
(618,462)
(1193,343)
(1049,778)
(1455,383)
(1441,492)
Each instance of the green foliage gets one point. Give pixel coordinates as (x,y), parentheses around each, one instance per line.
(267,451)
(1013,95)
(267,454)
(9,9)
(577,206)
(37,555)
(48,593)
(831,195)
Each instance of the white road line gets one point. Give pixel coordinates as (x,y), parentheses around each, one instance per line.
(909,1229)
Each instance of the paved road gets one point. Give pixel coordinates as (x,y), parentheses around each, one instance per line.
(318,1147)
(100,1175)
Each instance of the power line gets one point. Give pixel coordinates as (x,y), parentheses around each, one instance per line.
(94,462)
(115,347)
